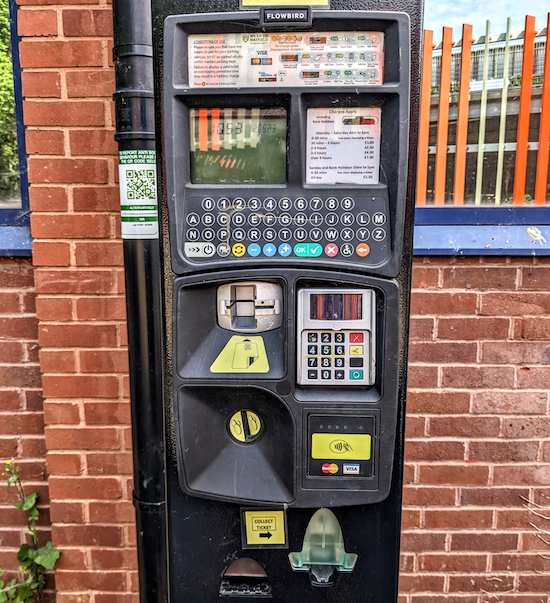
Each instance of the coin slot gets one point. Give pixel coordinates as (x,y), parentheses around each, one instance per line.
(245,426)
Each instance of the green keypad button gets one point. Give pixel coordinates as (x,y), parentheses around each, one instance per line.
(308,250)
(356,375)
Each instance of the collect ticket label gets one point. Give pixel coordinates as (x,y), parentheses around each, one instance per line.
(335,58)
(343,146)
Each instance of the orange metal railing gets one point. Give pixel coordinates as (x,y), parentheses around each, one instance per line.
(446,173)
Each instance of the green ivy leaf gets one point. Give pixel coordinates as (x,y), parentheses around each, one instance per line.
(24,592)
(23,553)
(47,558)
(30,501)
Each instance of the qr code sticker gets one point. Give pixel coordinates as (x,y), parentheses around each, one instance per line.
(140,184)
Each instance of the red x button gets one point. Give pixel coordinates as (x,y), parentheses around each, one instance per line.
(356,337)
(331,250)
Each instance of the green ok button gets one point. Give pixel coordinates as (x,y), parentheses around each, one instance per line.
(308,250)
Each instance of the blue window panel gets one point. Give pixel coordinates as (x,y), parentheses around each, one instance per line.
(15,239)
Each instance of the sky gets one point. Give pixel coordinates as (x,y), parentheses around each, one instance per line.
(453,13)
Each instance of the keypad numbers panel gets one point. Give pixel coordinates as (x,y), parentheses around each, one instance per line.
(343,229)
(334,357)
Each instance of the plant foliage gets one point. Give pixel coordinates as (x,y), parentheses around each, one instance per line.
(34,559)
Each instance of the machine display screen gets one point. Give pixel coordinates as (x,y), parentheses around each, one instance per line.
(238,146)
(336,306)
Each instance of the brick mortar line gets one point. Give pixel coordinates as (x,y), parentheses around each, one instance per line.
(505,416)
(61,37)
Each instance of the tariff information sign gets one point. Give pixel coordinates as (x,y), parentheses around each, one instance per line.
(343,146)
(329,58)
(138,194)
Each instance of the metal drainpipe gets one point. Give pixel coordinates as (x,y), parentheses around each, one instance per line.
(135,123)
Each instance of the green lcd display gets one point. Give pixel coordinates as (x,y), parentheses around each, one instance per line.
(238,146)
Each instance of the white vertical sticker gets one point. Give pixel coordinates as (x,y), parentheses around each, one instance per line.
(138,194)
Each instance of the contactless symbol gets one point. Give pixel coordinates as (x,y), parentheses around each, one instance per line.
(340,447)
(362,250)
(254,249)
(239,250)
(331,250)
(269,250)
(285,249)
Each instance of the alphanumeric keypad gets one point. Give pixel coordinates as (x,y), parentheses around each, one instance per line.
(345,228)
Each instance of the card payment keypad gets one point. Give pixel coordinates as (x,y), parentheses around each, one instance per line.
(335,358)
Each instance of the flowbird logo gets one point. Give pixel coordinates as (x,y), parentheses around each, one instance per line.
(246,37)
(340,447)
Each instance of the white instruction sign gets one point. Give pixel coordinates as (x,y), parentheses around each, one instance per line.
(335,58)
(138,194)
(343,146)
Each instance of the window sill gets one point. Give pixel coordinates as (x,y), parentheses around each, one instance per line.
(483,239)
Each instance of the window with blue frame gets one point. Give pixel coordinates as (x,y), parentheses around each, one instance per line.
(482,181)
(15,237)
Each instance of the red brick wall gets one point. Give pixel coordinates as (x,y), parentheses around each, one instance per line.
(21,414)
(477,431)
(68,82)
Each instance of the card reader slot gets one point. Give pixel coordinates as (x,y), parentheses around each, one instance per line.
(250,306)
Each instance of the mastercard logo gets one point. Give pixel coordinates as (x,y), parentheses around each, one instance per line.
(330,468)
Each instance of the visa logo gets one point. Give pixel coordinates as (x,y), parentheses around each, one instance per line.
(350,469)
(261,52)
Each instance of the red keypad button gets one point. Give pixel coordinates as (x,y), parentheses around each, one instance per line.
(356,337)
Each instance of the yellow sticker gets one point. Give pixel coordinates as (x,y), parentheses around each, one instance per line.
(242,355)
(265,527)
(256,3)
(351,446)
(356,350)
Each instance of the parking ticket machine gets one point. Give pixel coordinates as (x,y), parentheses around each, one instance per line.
(286,177)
